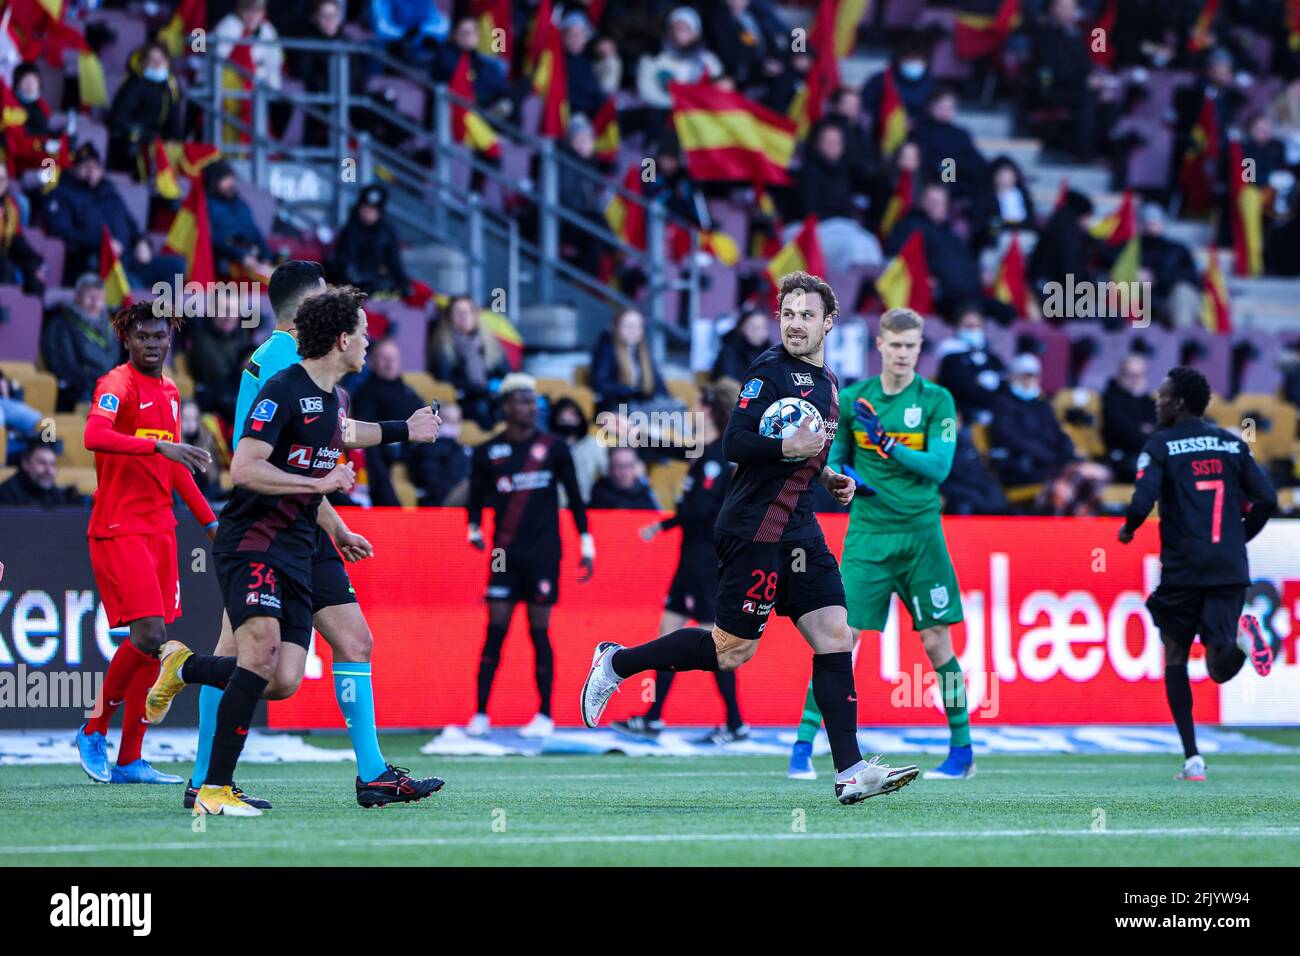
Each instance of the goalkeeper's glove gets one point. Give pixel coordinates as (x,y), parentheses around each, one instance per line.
(863,489)
(865,413)
(475,537)
(588,560)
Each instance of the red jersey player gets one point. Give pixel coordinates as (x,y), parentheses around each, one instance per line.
(132,429)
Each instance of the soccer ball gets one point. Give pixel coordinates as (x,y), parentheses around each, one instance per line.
(783,417)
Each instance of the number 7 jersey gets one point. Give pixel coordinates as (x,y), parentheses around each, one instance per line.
(1213,499)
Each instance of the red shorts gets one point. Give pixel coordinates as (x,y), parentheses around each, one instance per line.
(137,576)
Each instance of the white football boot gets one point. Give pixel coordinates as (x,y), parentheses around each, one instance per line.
(478,726)
(600,684)
(870,778)
(1193,769)
(539,726)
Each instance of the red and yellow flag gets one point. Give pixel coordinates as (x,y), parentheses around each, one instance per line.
(1198,40)
(191,235)
(905,283)
(241,55)
(1201,161)
(164,177)
(1216,315)
(891,121)
(1292,18)
(1120,229)
(190,15)
(627,219)
(1247,202)
(979,35)
(550,75)
(1009,285)
(494,15)
(899,203)
(806,107)
(849,14)
(803,253)
(117,291)
(467,126)
(725,136)
(605,126)
(12,112)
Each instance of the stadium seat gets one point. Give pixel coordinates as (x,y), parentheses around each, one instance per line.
(666,480)
(40,389)
(979,434)
(70,429)
(1275,425)
(429,388)
(1023,494)
(471,434)
(556,388)
(401,482)
(582,375)
(81,477)
(6,471)
(1087,438)
(1115,494)
(687,392)
(184,384)
(22,326)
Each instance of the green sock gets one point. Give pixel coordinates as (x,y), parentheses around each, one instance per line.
(811,721)
(953,688)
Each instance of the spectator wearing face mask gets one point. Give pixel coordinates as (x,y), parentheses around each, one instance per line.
(18,259)
(1128,417)
(28,145)
(1026,443)
(625,486)
(683,59)
(146,106)
(969,370)
(590,455)
(33,485)
(911,73)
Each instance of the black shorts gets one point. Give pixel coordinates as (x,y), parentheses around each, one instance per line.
(692,592)
(532,576)
(330,584)
(255,588)
(757,577)
(1183,613)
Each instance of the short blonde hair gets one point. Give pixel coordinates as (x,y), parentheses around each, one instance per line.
(902,320)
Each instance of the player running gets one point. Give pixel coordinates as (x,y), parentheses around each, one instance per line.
(335,611)
(901,439)
(290,458)
(519,473)
(132,429)
(770,548)
(690,596)
(1204,478)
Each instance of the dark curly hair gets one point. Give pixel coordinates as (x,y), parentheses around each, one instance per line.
(128,316)
(323,317)
(1191,387)
(796,281)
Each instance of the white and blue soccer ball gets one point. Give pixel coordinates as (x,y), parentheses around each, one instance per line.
(784,416)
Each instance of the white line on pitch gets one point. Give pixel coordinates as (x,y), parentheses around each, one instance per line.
(203,844)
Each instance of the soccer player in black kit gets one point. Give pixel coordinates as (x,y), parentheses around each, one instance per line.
(519,473)
(771,551)
(1213,499)
(690,596)
(292,454)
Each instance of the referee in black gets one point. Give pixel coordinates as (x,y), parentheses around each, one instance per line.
(1213,499)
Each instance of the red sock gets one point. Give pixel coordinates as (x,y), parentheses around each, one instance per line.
(133,722)
(117,684)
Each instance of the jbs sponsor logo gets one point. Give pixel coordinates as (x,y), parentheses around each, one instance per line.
(802,378)
(312,404)
(76,909)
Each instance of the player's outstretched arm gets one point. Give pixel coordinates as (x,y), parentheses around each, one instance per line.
(251,469)
(422,426)
(183,482)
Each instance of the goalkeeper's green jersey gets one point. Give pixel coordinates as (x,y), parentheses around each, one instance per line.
(923,420)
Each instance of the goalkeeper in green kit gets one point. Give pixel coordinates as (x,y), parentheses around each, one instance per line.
(899,442)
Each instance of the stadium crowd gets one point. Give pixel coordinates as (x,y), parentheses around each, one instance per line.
(1176,95)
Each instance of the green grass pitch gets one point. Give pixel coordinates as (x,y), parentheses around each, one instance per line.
(1055,810)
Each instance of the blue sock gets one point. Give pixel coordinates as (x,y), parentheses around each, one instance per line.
(357,702)
(209,701)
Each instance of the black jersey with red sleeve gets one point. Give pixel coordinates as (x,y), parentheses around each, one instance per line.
(770,499)
(520,481)
(303,424)
(703,491)
(1213,499)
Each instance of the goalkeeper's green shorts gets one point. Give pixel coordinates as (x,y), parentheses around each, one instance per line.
(914,565)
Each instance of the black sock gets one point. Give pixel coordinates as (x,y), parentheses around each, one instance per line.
(543,668)
(211,669)
(727,688)
(1178,688)
(832,682)
(685,649)
(487,664)
(663,684)
(234,716)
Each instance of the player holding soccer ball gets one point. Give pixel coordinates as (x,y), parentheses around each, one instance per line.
(901,438)
(771,551)
(1213,499)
